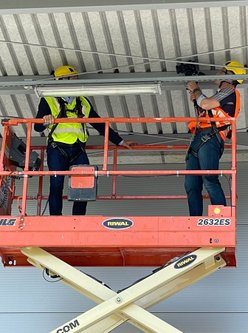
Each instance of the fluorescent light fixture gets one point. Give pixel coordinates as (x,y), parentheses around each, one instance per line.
(98,90)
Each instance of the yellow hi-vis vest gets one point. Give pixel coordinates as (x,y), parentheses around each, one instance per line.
(69,133)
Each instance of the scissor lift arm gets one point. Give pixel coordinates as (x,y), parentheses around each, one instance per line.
(113,308)
(59,243)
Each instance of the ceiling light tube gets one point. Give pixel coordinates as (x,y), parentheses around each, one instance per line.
(98,90)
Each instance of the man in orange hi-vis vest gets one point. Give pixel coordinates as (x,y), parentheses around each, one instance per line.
(207,144)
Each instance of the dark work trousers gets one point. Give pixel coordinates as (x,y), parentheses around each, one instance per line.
(58,161)
(207,159)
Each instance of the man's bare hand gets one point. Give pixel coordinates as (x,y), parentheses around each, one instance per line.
(128,144)
(192,96)
(49,119)
(191,86)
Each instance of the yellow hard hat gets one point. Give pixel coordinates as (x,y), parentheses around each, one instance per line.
(235,67)
(64,71)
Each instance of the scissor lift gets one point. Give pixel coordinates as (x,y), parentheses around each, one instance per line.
(186,248)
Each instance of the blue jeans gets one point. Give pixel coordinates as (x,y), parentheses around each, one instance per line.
(207,159)
(58,161)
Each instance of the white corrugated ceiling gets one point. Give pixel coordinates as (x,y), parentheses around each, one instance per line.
(114,40)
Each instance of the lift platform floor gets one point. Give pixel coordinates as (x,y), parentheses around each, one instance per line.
(115,241)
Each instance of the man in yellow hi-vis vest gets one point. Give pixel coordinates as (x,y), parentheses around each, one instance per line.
(66,141)
(207,144)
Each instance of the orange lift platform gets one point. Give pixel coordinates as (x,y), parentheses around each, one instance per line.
(185,248)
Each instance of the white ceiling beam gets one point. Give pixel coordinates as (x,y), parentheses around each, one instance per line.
(45,6)
(169,81)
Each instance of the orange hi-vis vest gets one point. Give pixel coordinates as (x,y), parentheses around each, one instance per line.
(220,113)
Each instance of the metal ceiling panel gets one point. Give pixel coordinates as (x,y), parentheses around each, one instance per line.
(142,40)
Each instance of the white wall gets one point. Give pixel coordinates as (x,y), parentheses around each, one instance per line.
(217,304)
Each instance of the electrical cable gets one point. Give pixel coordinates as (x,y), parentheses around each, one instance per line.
(10,117)
(94,278)
(228,178)
(242,129)
(150,59)
(121,55)
(45,208)
(46,272)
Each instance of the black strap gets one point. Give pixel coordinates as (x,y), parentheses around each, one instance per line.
(213,124)
(62,114)
(216,129)
(50,138)
(208,136)
(57,145)
(204,139)
(79,108)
